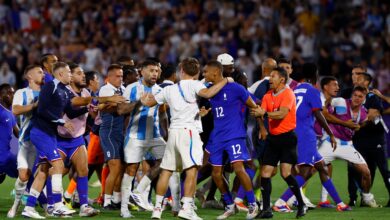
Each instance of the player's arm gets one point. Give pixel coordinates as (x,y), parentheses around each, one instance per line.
(380,95)
(386,112)
(83,101)
(334,120)
(15,130)
(263,131)
(148,99)
(321,119)
(126,108)
(213,90)
(23,109)
(250,103)
(163,119)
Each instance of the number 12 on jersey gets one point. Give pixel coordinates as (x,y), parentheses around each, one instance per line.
(219,111)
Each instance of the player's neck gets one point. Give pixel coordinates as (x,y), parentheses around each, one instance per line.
(34,86)
(279,88)
(355,108)
(217,80)
(75,88)
(8,107)
(146,83)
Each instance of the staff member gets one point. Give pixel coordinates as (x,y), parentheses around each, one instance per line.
(280,107)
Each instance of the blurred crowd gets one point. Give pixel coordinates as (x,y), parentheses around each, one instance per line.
(334,34)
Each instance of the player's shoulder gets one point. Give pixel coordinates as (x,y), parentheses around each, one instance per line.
(338,101)
(20,92)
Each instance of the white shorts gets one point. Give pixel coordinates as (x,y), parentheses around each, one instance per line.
(26,155)
(135,149)
(344,150)
(184,150)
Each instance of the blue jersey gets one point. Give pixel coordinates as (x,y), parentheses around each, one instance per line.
(7,122)
(308,100)
(48,77)
(228,114)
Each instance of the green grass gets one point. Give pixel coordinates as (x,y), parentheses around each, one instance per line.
(313,192)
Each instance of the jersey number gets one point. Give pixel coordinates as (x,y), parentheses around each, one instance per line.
(299,101)
(219,111)
(236,149)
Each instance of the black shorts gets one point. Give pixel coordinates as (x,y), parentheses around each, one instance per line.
(282,147)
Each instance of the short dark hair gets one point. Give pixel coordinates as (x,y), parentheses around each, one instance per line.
(168,70)
(190,66)
(367,77)
(113,66)
(45,57)
(73,66)
(128,69)
(359,66)
(123,59)
(282,73)
(284,60)
(216,64)
(360,89)
(59,65)
(148,62)
(30,67)
(90,75)
(326,80)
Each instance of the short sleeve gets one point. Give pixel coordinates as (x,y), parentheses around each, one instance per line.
(18,98)
(264,102)
(315,99)
(339,105)
(162,96)
(242,93)
(288,99)
(106,91)
(197,86)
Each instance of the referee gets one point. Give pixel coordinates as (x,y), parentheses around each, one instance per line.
(280,107)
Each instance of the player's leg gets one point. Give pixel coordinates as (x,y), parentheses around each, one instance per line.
(126,185)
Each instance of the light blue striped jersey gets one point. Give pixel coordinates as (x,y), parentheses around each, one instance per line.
(23,97)
(144,121)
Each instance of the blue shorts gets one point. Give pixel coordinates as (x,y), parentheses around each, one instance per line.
(8,165)
(111,142)
(45,144)
(307,151)
(69,146)
(235,150)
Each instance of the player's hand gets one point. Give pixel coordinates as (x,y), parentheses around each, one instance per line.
(203,111)
(146,98)
(68,125)
(333,142)
(257,112)
(263,134)
(35,104)
(230,79)
(352,125)
(377,92)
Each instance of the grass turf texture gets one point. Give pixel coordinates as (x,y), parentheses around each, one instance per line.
(278,186)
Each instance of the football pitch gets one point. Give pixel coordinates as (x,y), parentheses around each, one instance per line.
(278,185)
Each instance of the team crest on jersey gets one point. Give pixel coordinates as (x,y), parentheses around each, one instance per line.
(224,96)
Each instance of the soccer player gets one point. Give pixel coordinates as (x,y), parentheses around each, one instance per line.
(47,62)
(71,144)
(8,127)
(309,107)
(370,140)
(184,147)
(24,103)
(280,106)
(337,111)
(53,102)
(111,129)
(229,136)
(286,65)
(142,136)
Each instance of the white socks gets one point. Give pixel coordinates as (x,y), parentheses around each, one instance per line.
(126,190)
(324,195)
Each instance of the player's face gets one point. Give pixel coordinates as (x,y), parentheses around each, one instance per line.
(209,73)
(228,69)
(275,80)
(332,88)
(116,77)
(8,96)
(150,74)
(356,72)
(37,76)
(358,98)
(66,75)
(286,67)
(51,60)
(78,77)
(94,83)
